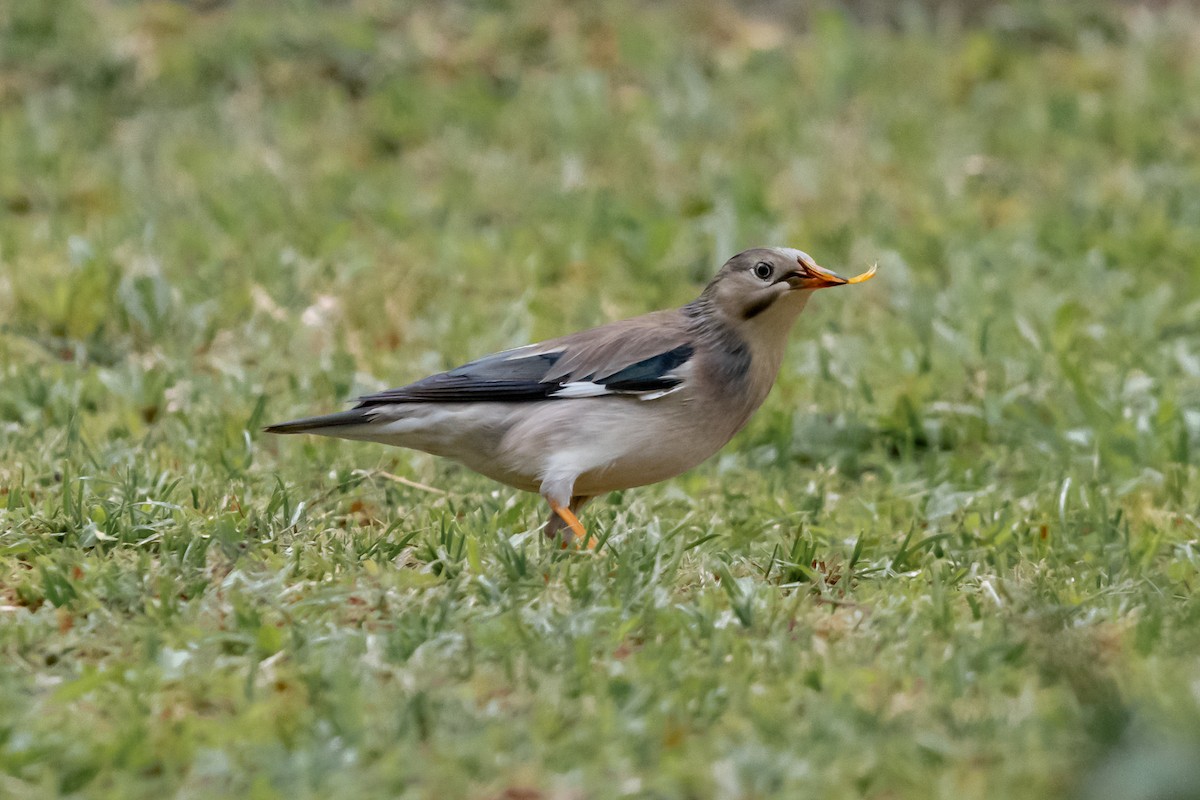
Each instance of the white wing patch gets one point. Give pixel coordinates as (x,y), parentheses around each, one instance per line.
(681,373)
(589,389)
(582,389)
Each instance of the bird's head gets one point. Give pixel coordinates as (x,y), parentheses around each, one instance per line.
(770,282)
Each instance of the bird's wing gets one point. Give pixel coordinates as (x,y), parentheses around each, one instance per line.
(646,356)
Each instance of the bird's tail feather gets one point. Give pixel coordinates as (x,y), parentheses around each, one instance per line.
(322,424)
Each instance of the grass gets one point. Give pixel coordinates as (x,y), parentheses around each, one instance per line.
(955,555)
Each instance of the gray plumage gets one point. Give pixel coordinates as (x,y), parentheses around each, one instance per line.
(622,405)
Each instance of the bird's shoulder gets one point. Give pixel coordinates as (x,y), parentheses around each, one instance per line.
(642,356)
(607,350)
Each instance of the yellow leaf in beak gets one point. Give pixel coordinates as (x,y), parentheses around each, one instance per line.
(864,277)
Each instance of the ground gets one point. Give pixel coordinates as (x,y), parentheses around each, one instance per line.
(954,556)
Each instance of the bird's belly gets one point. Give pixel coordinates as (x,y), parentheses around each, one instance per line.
(603,445)
(638,469)
(585,446)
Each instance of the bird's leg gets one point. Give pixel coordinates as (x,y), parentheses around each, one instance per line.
(568,516)
(579,501)
(564,517)
(555,523)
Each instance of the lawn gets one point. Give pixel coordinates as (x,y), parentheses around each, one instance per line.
(955,555)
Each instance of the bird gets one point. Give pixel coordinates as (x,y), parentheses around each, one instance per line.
(626,404)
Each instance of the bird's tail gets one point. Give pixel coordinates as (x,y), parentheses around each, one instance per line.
(326,424)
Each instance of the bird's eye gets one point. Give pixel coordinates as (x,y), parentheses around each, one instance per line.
(762,270)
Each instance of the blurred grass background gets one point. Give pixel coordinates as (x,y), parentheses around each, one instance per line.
(953,556)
